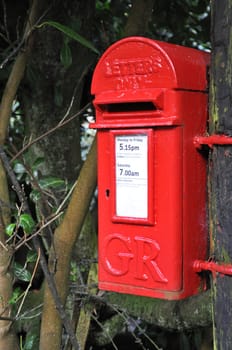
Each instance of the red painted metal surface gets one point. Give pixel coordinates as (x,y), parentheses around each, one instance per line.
(151,101)
(212,140)
(225,269)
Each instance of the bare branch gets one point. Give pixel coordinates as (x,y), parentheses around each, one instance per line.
(74,94)
(7,36)
(47,133)
(30,27)
(29,238)
(29,286)
(14,180)
(43,262)
(15,77)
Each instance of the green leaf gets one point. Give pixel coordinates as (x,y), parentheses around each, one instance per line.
(30,341)
(31,256)
(103,5)
(71,34)
(10,229)
(66,55)
(27,223)
(51,182)
(21,273)
(35,195)
(37,163)
(15,296)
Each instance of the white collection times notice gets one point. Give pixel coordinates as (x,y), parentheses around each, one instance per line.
(131,160)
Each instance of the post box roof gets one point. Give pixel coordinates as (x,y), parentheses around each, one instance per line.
(136,63)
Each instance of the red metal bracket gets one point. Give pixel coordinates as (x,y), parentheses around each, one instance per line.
(212,140)
(200,265)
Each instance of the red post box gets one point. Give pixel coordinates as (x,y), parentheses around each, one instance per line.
(151,101)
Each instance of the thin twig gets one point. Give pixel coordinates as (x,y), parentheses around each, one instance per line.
(26,314)
(66,198)
(74,94)
(31,27)
(29,286)
(123,315)
(2,228)
(59,125)
(106,333)
(13,178)
(43,262)
(3,246)
(44,209)
(2,318)
(5,21)
(29,238)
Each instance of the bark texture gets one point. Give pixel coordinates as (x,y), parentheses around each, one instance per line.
(140,16)
(221,167)
(64,240)
(8,339)
(59,88)
(60,255)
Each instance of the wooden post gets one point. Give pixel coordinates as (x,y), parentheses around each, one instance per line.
(220,172)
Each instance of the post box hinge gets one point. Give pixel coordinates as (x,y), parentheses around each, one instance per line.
(214,267)
(211,140)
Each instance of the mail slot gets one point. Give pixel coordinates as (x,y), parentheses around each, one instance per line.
(150,102)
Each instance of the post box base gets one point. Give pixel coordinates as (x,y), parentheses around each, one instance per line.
(144,292)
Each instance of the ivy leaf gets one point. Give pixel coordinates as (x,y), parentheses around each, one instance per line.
(31,256)
(51,182)
(35,195)
(15,296)
(10,229)
(21,273)
(37,163)
(71,34)
(27,223)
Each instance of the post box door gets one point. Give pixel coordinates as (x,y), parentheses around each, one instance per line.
(140,210)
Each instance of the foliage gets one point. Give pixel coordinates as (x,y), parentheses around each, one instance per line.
(69,32)
(185,22)
(47,195)
(182,22)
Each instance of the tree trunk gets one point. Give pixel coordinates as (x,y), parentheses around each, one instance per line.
(64,240)
(221,167)
(140,16)
(8,340)
(59,88)
(51,322)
